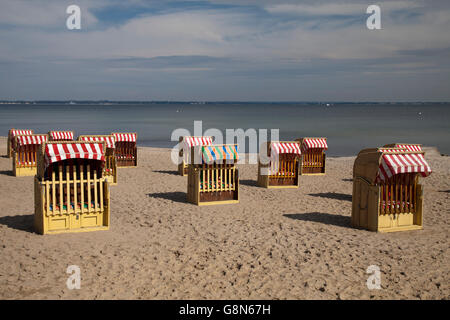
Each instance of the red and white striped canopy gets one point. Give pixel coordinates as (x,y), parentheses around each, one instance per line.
(392,149)
(61,135)
(285,147)
(314,143)
(110,141)
(197,141)
(125,137)
(392,164)
(55,152)
(410,147)
(31,139)
(15,132)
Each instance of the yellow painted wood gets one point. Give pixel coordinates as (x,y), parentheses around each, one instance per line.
(400,228)
(24,172)
(209,203)
(282,187)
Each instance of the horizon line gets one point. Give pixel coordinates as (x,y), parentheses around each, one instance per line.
(42,101)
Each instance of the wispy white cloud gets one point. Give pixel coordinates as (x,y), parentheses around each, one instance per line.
(336,9)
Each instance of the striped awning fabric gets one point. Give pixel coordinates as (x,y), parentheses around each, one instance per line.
(55,152)
(15,132)
(285,147)
(61,135)
(408,162)
(314,143)
(31,139)
(109,140)
(125,137)
(392,149)
(197,141)
(410,147)
(219,153)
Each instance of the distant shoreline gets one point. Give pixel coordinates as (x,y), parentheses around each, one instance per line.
(112,102)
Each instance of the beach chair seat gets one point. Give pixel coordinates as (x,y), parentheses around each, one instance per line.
(72,206)
(404,205)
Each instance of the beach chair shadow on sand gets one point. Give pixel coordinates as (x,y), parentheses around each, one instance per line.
(333,195)
(7,173)
(250,183)
(19,222)
(325,218)
(172,196)
(172,172)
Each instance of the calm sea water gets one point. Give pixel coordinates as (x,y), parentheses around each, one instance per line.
(348,127)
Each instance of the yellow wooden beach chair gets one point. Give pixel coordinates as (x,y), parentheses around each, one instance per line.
(313,156)
(24,162)
(126,149)
(283,167)
(386,193)
(212,175)
(71,194)
(12,133)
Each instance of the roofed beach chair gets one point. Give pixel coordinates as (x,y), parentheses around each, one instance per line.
(386,193)
(60,135)
(12,133)
(71,194)
(24,160)
(313,156)
(110,169)
(283,167)
(212,175)
(126,149)
(186,143)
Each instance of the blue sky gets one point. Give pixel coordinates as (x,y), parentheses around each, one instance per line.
(249,50)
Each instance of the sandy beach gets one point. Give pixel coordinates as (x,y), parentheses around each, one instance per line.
(274,244)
